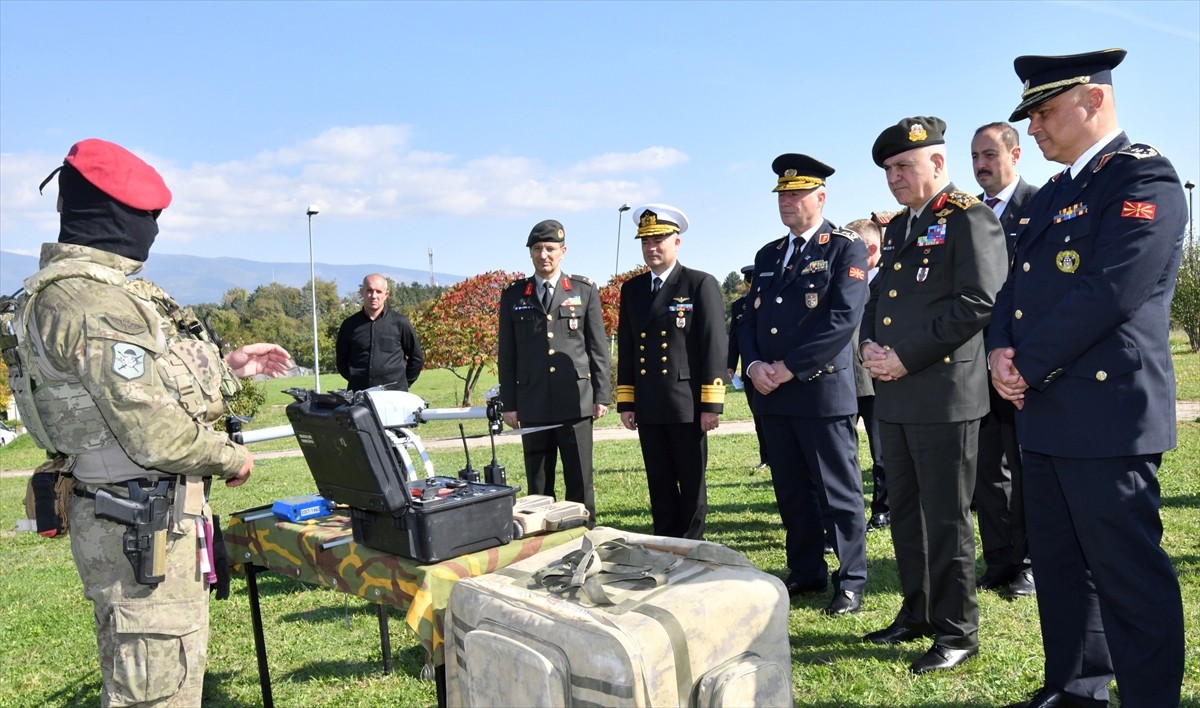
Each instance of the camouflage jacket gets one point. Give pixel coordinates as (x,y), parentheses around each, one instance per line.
(125,388)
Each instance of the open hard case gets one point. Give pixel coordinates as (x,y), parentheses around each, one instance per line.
(357,448)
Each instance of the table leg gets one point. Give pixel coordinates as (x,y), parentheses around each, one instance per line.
(385,639)
(260,641)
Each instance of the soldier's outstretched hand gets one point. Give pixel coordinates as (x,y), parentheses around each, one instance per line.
(261,358)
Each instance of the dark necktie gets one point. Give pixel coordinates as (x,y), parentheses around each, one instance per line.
(797,246)
(547,296)
(655,285)
(992,202)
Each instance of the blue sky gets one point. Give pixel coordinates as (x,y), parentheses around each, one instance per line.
(458,126)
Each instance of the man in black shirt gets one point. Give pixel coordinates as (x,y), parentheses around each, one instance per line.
(377,346)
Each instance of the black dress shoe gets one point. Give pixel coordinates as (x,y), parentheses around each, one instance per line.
(993,581)
(844,602)
(941,657)
(800,587)
(1047,697)
(879,521)
(1021,586)
(894,634)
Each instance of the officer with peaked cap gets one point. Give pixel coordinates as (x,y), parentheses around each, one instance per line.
(921,338)
(124,384)
(671,349)
(808,295)
(1078,342)
(553,363)
(737,313)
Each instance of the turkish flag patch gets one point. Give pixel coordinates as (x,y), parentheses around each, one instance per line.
(857,273)
(1138,210)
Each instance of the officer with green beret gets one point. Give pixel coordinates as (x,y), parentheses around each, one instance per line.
(553,361)
(922,340)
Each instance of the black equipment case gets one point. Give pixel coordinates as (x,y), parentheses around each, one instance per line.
(355,461)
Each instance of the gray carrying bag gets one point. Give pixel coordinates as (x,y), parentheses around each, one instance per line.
(620,619)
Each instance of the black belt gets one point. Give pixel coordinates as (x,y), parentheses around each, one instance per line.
(141,481)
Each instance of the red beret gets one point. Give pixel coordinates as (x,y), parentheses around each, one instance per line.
(120,174)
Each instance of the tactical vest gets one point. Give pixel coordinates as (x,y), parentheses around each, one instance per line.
(57,410)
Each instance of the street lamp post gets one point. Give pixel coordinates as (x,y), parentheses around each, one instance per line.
(620,212)
(312,273)
(1189,186)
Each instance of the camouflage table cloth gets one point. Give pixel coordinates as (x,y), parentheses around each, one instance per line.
(300,550)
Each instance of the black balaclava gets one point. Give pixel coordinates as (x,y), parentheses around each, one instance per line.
(92,218)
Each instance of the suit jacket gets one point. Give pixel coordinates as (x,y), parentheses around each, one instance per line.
(936,288)
(805,316)
(1021,197)
(553,366)
(737,312)
(863,383)
(1087,307)
(671,348)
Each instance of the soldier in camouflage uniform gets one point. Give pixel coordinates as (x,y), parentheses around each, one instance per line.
(124,383)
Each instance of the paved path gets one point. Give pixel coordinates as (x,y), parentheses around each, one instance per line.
(1184,411)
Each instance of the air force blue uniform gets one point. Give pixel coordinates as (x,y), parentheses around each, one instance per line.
(804,315)
(1087,310)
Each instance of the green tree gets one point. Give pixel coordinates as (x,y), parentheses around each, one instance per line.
(5,391)
(733,287)
(1185,306)
(458,329)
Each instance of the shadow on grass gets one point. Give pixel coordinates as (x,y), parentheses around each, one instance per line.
(1182,501)
(82,691)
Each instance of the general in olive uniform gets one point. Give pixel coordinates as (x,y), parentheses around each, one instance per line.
(1078,341)
(118,380)
(808,295)
(943,262)
(671,350)
(554,370)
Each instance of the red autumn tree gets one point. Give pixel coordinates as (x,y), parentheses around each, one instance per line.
(458,329)
(610,298)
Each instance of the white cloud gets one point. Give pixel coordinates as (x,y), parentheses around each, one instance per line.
(355,173)
(655,158)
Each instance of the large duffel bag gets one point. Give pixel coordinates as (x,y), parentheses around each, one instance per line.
(620,619)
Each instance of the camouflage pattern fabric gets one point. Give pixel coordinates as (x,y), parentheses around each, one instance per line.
(297,550)
(118,373)
(153,642)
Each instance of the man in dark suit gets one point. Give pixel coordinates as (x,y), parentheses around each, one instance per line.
(737,312)
(995,152)
(671,350)
(809,290)
(1079,344)
(871,233)
(943,261)
(553,362)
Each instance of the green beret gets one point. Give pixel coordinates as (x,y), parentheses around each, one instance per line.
(908,134)
(548,230)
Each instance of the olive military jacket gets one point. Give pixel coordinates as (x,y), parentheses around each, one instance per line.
(930,302)
(553,365)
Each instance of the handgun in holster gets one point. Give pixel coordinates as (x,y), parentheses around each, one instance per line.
(147,513)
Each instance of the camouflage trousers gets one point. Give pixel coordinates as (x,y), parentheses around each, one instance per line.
(152,641)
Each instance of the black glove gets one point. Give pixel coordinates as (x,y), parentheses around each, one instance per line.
(220,562)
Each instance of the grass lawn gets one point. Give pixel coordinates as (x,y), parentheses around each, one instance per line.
(324,646)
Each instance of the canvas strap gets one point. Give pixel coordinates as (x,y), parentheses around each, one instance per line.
(592,567)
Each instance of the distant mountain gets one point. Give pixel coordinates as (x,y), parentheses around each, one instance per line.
(192,279)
